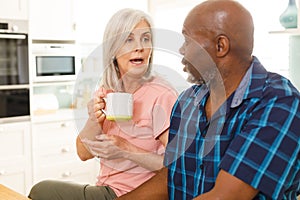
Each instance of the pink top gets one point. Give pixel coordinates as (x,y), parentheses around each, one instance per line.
(153,103)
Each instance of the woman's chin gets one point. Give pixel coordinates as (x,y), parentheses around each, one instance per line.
(137,72)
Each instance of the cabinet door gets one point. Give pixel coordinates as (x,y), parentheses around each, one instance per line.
(13,175)
(14,9)
(54,154)
(52,19)
(76,171)
(15,156)
(54,142)
(93,15)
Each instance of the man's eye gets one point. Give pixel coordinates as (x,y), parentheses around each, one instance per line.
(186,39)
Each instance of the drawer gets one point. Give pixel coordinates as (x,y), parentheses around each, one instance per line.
(78,171)
(14,140)
(53,134)
(55,155)
(14,176)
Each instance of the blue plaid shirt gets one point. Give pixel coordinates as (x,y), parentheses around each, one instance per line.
(254,136)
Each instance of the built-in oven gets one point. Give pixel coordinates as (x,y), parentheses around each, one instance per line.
(14,102)
(14,69)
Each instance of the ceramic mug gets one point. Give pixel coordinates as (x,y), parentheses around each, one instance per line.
(119,106)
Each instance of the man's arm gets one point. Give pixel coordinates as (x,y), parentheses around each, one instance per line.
(154,188)
(228,187)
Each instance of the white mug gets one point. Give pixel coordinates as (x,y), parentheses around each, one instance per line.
(119,106)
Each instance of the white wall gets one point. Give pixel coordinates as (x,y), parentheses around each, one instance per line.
(271,49)
(93,15)
(168,15)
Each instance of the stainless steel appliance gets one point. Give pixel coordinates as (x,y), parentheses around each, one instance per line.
(14,69)
(58,61)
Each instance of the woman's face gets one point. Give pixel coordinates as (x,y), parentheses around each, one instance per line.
(133,57)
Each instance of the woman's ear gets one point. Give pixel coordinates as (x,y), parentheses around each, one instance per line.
(222,46)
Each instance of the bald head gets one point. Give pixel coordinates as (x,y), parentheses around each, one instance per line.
(224,17)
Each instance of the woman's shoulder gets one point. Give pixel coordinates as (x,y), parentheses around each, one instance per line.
(160,85)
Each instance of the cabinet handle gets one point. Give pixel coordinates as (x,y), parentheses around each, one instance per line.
(2,172)
(65,149)
(66,174)
(63,125)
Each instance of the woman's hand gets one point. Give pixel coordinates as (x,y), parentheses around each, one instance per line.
(108,146)
(96,105)
(114,147)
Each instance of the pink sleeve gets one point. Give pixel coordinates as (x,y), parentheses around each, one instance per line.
(162,112)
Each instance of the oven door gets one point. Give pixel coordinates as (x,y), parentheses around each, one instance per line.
(13,59)
(14,103)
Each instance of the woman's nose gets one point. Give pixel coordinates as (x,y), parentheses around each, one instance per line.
(139,46)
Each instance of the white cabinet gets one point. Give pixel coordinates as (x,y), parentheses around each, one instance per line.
(14,9)
(93,15)
(15,156)
(54,153)
(52,19)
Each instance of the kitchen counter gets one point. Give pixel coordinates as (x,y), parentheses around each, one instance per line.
(58,115)
(8,194)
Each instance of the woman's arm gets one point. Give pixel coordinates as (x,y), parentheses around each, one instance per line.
(89,131)
(82,151)
(114,147)
(148,160)
(92,127)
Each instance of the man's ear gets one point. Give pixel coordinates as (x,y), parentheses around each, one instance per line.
(222,46)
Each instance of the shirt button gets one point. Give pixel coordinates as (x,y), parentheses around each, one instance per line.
(201,166)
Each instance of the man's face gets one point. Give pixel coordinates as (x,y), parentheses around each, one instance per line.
(197,61)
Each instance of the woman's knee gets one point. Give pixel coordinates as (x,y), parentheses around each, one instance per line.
(40,190)
(56,190)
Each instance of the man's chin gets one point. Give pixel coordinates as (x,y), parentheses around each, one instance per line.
(193,80)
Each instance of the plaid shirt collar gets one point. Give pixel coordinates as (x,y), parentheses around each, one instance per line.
(253,81)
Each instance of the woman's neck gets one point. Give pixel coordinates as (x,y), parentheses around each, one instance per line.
(130,86)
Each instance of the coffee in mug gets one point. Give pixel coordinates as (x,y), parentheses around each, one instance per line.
(119,106)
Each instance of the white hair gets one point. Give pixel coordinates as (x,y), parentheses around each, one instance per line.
(116,32)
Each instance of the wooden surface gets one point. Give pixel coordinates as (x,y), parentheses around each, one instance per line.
(8,194)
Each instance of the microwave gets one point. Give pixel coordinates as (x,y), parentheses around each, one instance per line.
(55,62)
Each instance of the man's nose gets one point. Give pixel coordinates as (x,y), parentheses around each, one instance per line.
(182,50)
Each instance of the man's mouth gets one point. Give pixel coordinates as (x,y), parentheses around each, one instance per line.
(137,61)
(183,61)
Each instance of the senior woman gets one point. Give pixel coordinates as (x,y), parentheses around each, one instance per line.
(131,151)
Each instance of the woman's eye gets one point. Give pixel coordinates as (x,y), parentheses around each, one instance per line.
(129,40)
(146,39)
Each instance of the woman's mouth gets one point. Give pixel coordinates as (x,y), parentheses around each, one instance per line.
(137,61)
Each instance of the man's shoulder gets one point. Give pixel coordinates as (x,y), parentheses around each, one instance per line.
(269,84)
(280,86)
